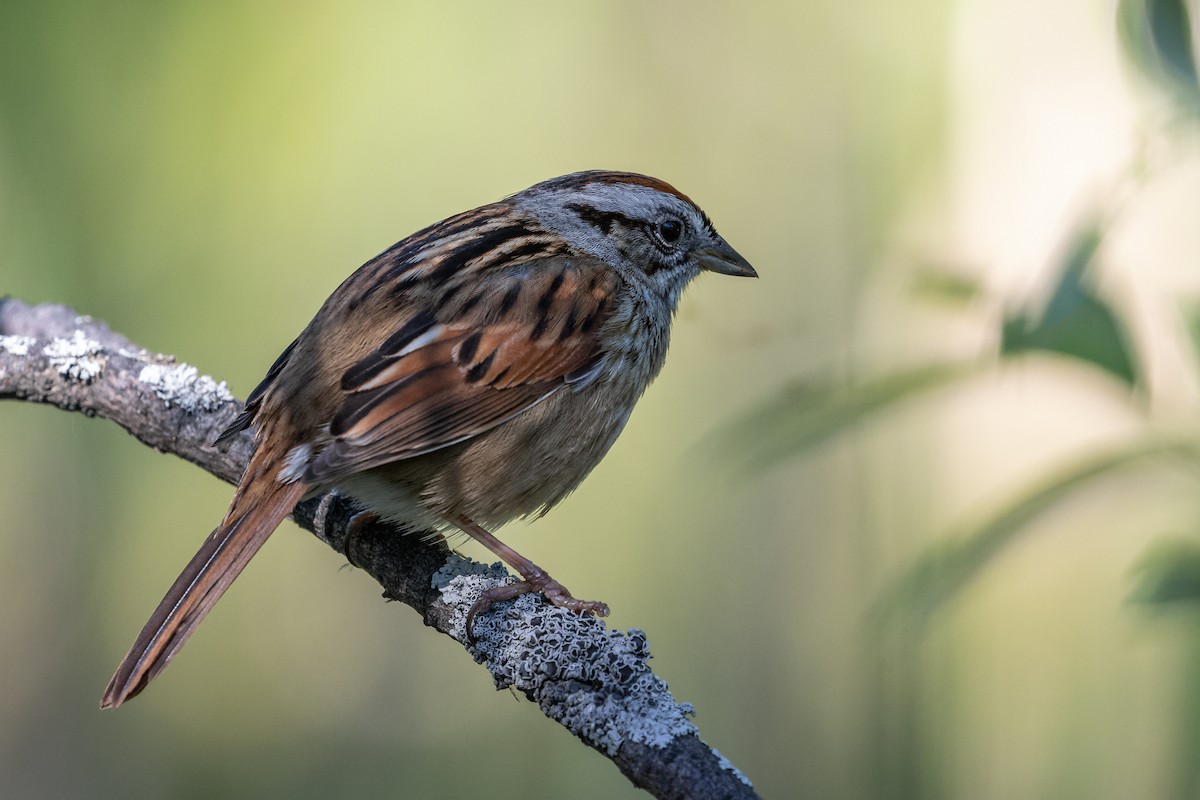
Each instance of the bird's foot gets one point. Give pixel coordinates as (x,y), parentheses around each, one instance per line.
(355,527)
(541,583)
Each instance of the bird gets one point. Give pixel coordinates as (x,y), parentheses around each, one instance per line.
(471,374)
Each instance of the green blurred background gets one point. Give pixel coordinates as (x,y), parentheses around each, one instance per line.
(872,580)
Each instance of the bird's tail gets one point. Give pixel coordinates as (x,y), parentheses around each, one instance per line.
(259,505)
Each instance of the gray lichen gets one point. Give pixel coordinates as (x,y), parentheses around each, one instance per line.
(181,385)
(593,680)
(728,766)
(16,345)
(77,358)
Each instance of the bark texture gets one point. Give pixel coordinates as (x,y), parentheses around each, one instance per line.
(592,680)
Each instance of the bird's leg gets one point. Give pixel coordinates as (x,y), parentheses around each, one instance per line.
(533,579)
(353,528)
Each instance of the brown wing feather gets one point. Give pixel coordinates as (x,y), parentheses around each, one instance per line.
(468,374)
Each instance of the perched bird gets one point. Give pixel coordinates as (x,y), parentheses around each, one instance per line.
(473,373)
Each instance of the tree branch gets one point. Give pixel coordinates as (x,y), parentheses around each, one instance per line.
(593,681)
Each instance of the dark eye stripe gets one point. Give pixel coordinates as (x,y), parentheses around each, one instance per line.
(603,220)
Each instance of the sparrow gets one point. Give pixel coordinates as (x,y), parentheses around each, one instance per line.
(473,373)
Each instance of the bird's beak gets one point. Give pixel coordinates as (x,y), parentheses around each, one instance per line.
(724,259)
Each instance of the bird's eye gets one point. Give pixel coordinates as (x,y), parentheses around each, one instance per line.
(670,230)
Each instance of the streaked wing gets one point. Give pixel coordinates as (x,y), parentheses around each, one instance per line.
(452,372)
(254,402)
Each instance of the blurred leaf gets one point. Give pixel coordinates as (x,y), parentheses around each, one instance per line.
(1169,572)
(945,569)
(1157,36)
(1192,318)
(941,286)
(1075,323)
(808,412)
